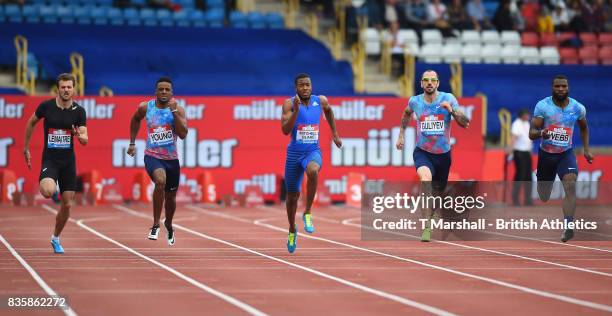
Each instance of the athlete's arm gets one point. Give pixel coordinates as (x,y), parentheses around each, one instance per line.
(584,134)
(329,116)
(140,113)
(81,134)
(180,122)
(461,119)
(405,121)
(290,112)
(32,121)
(536,131)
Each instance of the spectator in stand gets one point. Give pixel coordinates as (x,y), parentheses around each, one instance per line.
(438,17)
(599,16)
(458,17)
(477,13)
(392,19)
(531,12)
(503,19)
(415,12)
(577,19)
(545,23)
(560,17)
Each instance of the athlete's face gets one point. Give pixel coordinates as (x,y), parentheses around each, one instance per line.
(65,90)
(303,88)
(430,82)
(164,92)
(560,89)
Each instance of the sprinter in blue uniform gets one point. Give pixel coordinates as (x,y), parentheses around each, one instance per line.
(301,119)
(553,120)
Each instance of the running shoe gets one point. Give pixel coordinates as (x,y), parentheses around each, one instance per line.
(57,247)
(308,226)
(567,235)
(169,235)
(154,233)
(292,242)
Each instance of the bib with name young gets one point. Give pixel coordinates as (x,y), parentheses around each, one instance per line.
(161,136)
(58,138)
(307,134)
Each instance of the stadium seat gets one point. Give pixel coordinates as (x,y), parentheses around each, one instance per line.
(139,3)
(148,17)
(238,19)
(510,38)
(548,39)
(99,15)
(48,13)
(469,37)
(471,53)
(31,13)
(510,54)
(275,20)
(564,36)
(490,37)
(104,3)
(215,4)
(164,17)
(549,55)
(569,56)
(605,55)
(186,4)
(216,17)
(371,38)
(65,14)
(131,16)
(431,53)
(530,55)
(12,13)
(588,39)
(588,55)
(491,54)
(115,16)
(256,20)
(407,36)
(412,49)
(451,53)
(605,39)
(181,18)
(529,39)
(197,18)
(431,36)
(82,14)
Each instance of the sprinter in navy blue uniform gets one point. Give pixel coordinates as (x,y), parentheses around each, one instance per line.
(301,119)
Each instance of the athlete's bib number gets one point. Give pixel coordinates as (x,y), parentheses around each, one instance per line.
(161,136)
(559,135)
(59,138)
(432,125)
(307,134)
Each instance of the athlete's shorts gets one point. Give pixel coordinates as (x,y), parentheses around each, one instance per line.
(172,168)
(63,171)
(438,164)
(295,165)
(550,164)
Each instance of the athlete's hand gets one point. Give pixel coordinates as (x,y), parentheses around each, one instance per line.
(589,157)
(400,142)
(545,134)
(296,103)
(337,140)
(28,158)
(445,105)
(131,150)
(172,104)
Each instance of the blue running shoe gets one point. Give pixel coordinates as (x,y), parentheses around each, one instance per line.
(308,227)
(292,242)
(57,247)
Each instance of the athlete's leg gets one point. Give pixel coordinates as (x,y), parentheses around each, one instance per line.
(569,201)
(159,178)
(294,173)
(47,187)
(67,201)
(547,169)
(312,172)
(424,173)
(568,172)
(48,176)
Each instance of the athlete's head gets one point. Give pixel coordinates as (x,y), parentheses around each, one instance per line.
(560,88)
(65,86)
(430,82)
(303,86)
(163,90)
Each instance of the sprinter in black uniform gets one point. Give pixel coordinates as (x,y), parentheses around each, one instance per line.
(64,119)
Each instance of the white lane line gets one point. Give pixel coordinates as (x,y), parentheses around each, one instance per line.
(245,307)
(389,296)
(529,290)
(68,311)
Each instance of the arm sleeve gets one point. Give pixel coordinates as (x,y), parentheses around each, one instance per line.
(538,112)
(453,102)
(81,118)
(40,111)
(582,112)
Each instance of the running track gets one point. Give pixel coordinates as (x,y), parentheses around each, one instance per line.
(234,262)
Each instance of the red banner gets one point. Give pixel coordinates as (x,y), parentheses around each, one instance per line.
(239,141)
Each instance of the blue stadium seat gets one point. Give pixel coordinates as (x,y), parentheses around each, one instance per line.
(490,8)
(186,4)
(215,17)
(88,2)
(215,4)
(82,15)
(238,19)
(115,16)
(197,18)
(12,12)
(32,64)
(30,13)
(164,17)
(40,2)
(65,14)
(48,13)
(256,20)
(99,15)
(275,20)
(139,3)
(131,16)
(148,17)
(104,3)
(181,18)
(72,2)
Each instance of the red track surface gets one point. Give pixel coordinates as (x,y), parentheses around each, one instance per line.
(241,253)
